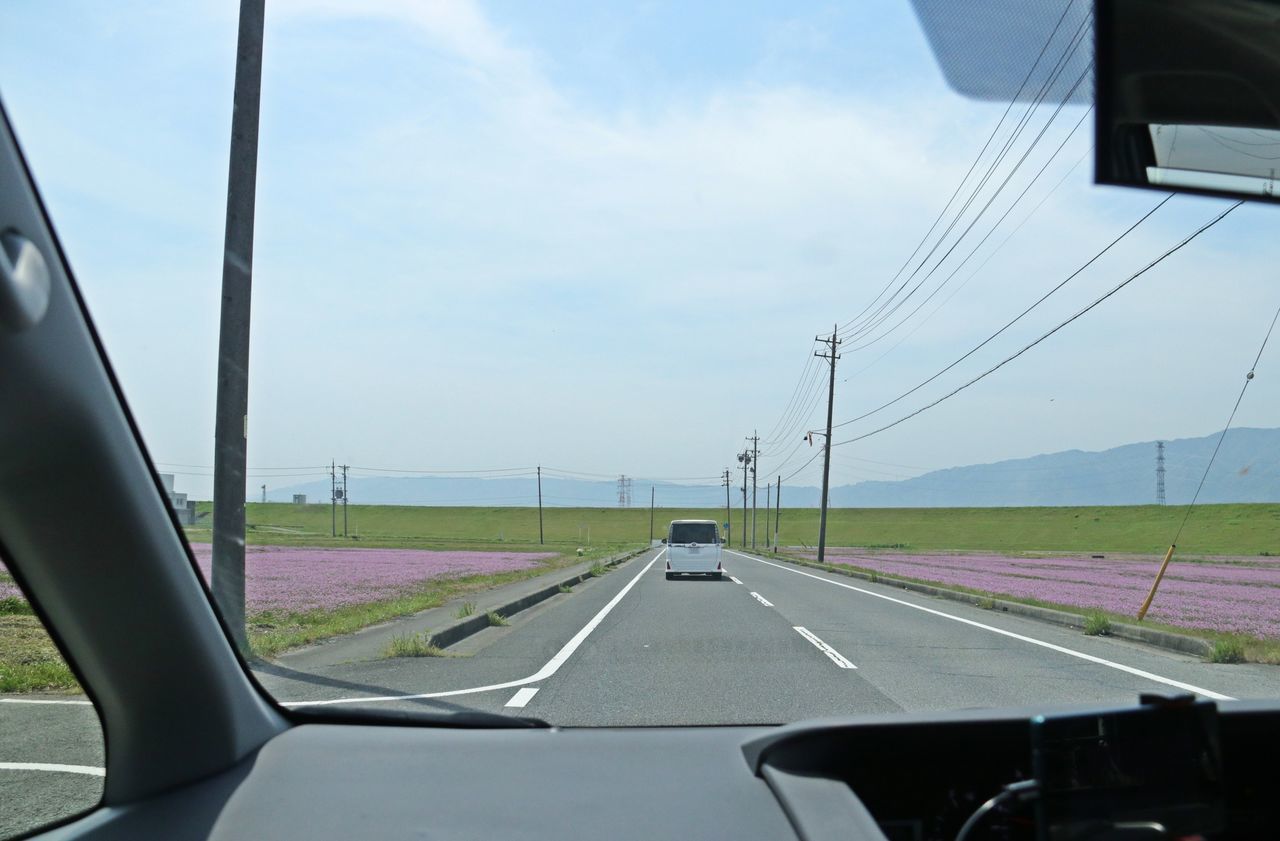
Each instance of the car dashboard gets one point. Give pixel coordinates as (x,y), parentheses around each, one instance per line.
(896,777)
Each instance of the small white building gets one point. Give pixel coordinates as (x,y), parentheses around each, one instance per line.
(184,508)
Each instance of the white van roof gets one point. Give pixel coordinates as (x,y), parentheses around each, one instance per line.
(713,522)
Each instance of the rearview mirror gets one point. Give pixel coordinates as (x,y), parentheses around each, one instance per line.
(1188,96)
(664,541)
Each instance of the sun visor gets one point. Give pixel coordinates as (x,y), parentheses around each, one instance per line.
(1012,50)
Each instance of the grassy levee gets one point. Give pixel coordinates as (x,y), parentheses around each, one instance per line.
(455,527)
(1236,529)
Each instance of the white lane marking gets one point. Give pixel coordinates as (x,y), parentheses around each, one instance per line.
(836,657)
(522,696)
(1070,652)
(44,701)
(734,580)
(552,666)
(761,599)
(90,770)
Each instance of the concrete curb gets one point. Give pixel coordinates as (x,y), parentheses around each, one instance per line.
(463,628)
(1168,640)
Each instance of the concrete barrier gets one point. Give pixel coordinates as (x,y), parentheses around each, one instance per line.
(461,629)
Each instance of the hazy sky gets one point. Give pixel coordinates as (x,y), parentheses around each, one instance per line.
(602,237)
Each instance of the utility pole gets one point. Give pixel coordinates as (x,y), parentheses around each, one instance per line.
(727,519)
(345,498)
(264,494)
(231,412)
(768,490)
(651,515)
(744,458)
(755,458)
(1159,473)
(831,357)
(540,540)
(333,500)
(777,516)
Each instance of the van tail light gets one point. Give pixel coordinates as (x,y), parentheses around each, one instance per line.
(668,564)
(718,566)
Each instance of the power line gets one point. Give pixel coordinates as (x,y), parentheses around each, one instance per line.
(1247,379)
(794,473)
(972,167)
(852,330)
(981,242)
(790,455)
(864,329)
(769,437)
(801,422)
(799,409)
(1053,75)
(250,469)
(1016,318)
(1028,347)
(975,272)
(529,470)
(205,471)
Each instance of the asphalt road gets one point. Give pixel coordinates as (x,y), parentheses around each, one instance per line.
(770,643)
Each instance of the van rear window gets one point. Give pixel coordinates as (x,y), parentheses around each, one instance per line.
(693,533)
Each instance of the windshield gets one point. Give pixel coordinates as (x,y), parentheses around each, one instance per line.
(970,429)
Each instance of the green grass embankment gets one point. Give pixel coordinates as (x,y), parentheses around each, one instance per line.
(1243,529)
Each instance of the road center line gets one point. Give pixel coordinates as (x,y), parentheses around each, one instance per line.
(552,666)
(90,770)
(522,696)
(836,657)
(1070,652)
(761,599)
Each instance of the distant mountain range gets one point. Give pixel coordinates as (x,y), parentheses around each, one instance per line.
(1247,469)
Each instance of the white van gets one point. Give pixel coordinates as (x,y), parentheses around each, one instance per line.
(693,548)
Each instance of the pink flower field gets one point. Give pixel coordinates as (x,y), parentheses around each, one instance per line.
(1239,595)
(300,578)
(7,588)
